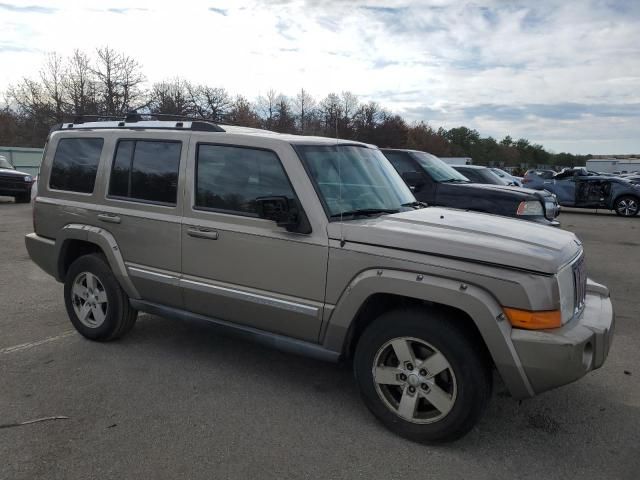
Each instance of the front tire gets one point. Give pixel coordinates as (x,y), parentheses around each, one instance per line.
(421,374)
(627,206)
(96,304)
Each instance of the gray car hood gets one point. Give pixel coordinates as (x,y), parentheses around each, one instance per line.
(472,236)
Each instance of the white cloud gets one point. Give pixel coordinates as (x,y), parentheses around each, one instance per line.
(441,57)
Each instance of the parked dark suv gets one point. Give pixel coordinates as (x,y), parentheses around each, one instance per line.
(14,183)
(436,183)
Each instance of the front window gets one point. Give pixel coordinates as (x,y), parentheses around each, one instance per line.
(353,179)
(4,163)
(437,169)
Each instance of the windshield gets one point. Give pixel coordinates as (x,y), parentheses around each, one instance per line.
(350,178)
(437,169)
(493,178)
(4,163)
(500,173)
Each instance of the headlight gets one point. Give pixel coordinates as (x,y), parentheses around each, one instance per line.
(28,178)
(566,288)
(530,208)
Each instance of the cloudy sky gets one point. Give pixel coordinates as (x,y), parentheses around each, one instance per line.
(562,73)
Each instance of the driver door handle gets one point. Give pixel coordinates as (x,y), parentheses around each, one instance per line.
(202,233)
(109,217)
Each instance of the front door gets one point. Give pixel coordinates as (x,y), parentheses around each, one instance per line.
(592,192)
(239,267)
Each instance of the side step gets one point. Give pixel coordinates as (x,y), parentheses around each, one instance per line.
(272,340)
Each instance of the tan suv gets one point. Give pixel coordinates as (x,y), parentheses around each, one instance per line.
(315,246)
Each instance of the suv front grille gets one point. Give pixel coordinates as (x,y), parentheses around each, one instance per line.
(12,183)
(580,283)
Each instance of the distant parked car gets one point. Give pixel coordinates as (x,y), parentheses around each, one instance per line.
(436,183)
(507,176)
(14,183)
(582,188)
(480,174)
(529,175)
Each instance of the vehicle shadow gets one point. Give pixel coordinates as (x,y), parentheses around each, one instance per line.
(563,433)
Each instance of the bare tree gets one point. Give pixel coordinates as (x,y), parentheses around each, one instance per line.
(209,102)
(267,108)
(119,80)
(170,97)
(242,113)
(284,120)
(366,120)
(331,112)
(80,85)
(304,106)
(51,77)
(350,105)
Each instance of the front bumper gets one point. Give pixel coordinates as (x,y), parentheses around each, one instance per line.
(551,358)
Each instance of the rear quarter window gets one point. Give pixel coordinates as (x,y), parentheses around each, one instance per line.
(75,164)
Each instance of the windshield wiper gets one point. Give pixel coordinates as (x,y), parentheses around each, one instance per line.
(364,212)
(453,180)
(415,204)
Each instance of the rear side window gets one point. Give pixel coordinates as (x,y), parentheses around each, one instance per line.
(401,162)
(231,178)
(146,170)
(470,174)
(75,164)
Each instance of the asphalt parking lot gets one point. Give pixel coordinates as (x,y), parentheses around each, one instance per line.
(176,400)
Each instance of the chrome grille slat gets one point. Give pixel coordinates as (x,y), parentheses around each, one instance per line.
(580,283)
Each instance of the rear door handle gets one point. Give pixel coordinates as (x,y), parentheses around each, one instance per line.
(109,217)
(202,233)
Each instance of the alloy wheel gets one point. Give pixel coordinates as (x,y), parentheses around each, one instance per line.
(414,380)
(89,300)
(627,207)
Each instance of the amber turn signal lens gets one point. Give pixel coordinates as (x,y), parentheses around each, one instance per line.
(534,320)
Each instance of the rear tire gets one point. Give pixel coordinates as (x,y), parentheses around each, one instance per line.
(96,304)
(627,206)
(440,392)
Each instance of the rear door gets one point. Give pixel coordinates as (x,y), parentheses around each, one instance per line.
(239,267)
(142,209)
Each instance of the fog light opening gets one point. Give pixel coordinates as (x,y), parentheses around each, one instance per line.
(587,356)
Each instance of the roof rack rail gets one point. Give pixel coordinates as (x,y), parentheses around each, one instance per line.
(198,124)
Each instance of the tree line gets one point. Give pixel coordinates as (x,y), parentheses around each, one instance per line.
(111,83)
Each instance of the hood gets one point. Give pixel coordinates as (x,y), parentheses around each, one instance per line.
(476,237)
(509,189)
(7,171)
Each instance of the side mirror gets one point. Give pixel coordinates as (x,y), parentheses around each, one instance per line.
(280,210)
(414,180)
